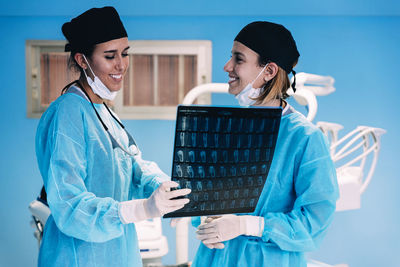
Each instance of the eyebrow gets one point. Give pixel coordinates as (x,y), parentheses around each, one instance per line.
(238,54)
(115,50)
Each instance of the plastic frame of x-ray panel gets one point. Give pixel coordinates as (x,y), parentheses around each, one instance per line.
(213,120)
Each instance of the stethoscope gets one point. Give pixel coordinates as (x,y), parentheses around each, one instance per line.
(114,142)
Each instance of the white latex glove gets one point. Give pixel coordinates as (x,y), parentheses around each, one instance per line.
(158,204)
(227,227)
(218,245)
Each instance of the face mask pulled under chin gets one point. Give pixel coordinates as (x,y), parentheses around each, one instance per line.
(247,95)
(98,86)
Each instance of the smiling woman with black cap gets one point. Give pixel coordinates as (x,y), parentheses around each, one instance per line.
(96,182)
(300,193)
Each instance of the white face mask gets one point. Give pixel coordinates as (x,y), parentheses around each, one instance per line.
(244,97)
(98,86)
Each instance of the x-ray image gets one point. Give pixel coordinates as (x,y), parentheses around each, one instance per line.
(223,205)
(227,140)
(182,123)
(199,186)
(260,180)
(246,193)
(249,138)
(182,138)
(250,181)
(253,170)
(233,170)
(209,186)
(240,125)
(192,157)
(214,156)
(201,172)
(259,140)
(261,127)
(205,141)
(222,171)
(243,170)
(211,171)
(203,156)
(246,155)
(216,140)
(223,154)
(267,155)
(257,152)
(229,127)
(263,169)
(188,185)
(220,185)
(194,125)
(193,137)
(179,171)
(255,192)
(205,124)
(180,156)
(238,141)
(251,125)
(218,125)
(236,156)
(190,171)
(226,194)
(230,183)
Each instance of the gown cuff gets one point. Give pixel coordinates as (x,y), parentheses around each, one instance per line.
(132,211)
(254,225)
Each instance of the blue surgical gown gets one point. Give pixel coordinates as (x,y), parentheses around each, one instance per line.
(85,179)
(297,203)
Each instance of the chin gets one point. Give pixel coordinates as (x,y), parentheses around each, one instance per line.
(233,91)
(115,88)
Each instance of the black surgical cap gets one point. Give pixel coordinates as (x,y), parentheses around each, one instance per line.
(95,26)
(272,42)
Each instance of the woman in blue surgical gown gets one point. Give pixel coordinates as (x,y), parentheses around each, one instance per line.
(97,184)
(300,192)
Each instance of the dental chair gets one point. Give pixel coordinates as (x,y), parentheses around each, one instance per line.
(352,154)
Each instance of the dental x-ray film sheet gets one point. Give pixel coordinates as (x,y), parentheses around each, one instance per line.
(223,154)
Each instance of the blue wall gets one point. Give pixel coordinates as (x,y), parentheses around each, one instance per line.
(357,43)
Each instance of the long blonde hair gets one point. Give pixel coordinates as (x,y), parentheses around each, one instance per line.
(276,88)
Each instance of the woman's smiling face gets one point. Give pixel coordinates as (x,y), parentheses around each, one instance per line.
(243,67)
(109,62)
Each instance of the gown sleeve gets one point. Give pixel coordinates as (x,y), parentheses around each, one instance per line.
(147,176)
(316,192)
(61,152)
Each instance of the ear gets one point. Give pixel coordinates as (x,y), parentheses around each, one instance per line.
(270,71)
(80,60)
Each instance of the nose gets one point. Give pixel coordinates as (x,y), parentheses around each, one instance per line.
(228,66)
(122,63)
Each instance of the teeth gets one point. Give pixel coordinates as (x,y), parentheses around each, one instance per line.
(232,79)
(119,76)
